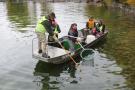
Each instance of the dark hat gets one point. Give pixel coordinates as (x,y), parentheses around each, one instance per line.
(52,14)
(74,24)
(91,17)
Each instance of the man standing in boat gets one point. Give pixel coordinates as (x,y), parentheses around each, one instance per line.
(44,26)
(73,34)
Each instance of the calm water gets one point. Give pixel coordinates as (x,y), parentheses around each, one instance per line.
(114,66)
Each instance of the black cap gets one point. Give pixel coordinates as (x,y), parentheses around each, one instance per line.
(90,17)
(52,14)
(75,24)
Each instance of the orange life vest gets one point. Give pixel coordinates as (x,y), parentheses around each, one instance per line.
(91,23)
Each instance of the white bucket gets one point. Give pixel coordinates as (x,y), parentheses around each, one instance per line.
(90,38)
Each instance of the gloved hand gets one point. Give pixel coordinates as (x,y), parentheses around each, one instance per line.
(79,39)
(55,38)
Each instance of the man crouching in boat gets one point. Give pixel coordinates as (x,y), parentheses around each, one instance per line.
(91,23)
(44,26)
(99,28)
(73,34)
(56,30)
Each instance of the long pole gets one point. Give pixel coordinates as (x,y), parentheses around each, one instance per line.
(67,52)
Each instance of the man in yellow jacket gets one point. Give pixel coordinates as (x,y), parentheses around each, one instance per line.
(44,26)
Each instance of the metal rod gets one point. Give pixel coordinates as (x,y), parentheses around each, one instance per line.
(33,45)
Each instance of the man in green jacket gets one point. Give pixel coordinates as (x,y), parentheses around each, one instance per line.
(44,26)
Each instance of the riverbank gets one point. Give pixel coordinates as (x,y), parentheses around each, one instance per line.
(126,8)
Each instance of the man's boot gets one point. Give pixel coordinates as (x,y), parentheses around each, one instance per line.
(39,51)
(45,55)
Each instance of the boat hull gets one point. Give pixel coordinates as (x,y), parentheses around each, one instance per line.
(65,57)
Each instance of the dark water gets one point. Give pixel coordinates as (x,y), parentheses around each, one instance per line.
(114,66)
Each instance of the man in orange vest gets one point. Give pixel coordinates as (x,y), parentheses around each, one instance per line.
(89,26)
(91,23)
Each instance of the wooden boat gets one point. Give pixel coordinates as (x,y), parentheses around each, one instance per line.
(58,55)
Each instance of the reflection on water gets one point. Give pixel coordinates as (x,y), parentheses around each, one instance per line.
(120,41)
(105,75)
(54,76)
(113,60)
(15,13)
